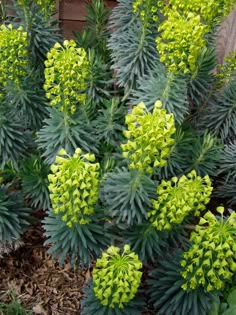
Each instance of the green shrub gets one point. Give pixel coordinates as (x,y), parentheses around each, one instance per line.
(139,92)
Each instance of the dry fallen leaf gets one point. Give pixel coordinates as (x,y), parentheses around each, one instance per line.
(88,276)
(39,310)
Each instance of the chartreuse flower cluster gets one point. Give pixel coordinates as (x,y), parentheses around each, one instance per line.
(66,76)
(227,71)
(74,186)
(13,54)
(228,6)
(149,137)
(116,277)
(177,198)
(211,262)
(209,10)
(147,9)
(47,6)
(180,41)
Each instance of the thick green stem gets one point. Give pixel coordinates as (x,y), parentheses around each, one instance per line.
(27,19)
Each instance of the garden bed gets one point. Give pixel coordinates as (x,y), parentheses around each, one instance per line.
(38,281)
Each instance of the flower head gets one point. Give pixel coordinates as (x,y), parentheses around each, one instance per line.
(209,10)
(149,137)
(13,54)
(74,187)
(180,41)
(116,276)
(66,76)
(227,71)
(147,10)
(178,198)
(210,262)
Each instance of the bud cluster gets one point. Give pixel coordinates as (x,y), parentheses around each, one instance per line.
(211,261)
(47,6)
(228,6)
(13,54)
(149,137)
(66,76)
(147,10)
(180,41)
(116,277)
(209,10)
(227,71)
(177,198)
(74,186)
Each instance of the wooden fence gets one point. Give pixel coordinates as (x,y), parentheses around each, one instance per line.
(71,14)
(226,37)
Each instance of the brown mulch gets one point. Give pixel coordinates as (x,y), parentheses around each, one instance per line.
(38,281)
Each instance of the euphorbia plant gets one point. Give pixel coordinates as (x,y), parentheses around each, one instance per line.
(14,54)
(182,37)
(116,277)
(14,62)
(66,76)
(73,187)
(22,110)
(149,139)
(150,182)
(47,7)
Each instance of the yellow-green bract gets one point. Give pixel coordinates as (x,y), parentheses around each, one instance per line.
(209,10)
(149,137)
(227,71)
(47,6)
(116,276)
(180,41)
(147,10)
(74,186)
(13,54)
(178,198)
(210,262)
(65,76)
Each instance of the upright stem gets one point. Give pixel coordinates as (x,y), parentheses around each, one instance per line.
(27,18)
(3,10)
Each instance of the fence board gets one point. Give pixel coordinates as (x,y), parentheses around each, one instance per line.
(69,27)
(72,15)
(73,10)
(226,37)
